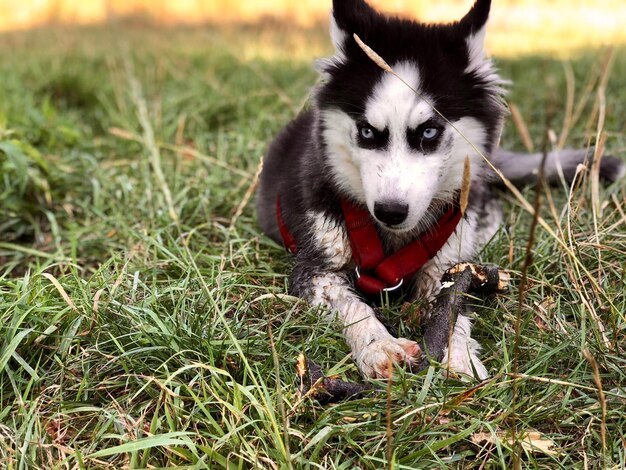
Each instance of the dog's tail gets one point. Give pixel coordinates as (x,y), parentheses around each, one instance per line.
(523,168)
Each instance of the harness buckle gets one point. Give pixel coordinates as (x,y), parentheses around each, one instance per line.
(386,289)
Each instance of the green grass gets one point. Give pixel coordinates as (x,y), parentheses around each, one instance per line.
(138,307)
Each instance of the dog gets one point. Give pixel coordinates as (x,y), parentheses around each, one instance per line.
(364,185)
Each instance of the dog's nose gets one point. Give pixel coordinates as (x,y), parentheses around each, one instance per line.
(391,212)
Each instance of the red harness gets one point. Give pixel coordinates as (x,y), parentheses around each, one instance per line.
(376,273)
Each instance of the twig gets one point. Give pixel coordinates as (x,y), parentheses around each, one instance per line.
(313,383)
(462,279)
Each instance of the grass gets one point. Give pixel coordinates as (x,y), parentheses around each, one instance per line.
(143,324)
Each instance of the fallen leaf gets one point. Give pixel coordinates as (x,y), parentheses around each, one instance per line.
(532,441)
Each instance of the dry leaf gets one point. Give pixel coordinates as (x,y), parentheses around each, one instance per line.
(532,441)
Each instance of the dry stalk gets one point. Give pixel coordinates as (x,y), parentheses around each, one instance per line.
(597,113)
(521,127)
(180,129)
(584,99)
(246,197)
(528,259)
(389,435)
(601,396)
(559,382)
(599,150)
(569,106)
(378,60)
(620,209)
(465,185)
(61,290)
(596,208)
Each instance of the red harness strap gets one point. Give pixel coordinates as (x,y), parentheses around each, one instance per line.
(288,240)
(377,273)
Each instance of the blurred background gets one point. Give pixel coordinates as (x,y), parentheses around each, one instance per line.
(557,27)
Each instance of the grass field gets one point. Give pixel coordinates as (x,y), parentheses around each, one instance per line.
(143,321)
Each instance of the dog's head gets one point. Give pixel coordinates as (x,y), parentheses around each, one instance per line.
(399,144)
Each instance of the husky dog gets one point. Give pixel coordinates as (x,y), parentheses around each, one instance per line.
(384,153)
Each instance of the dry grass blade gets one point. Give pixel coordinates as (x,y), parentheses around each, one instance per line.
(600,135)
(569,107)
(378,60)
(61,290)
(94,313)
(601,397)
(248,194)
(465,185)
(528,259)
(521,127)
(595,185)
(585,96)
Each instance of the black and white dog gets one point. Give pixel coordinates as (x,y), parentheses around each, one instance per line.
(364,186)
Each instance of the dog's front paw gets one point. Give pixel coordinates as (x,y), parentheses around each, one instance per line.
(464,360)
(373,359)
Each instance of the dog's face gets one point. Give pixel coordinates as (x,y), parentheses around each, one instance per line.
(399,144)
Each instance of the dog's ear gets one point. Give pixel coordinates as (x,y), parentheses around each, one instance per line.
(348,17)
(476,18)
(473,26)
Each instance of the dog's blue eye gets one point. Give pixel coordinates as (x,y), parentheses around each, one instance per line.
(430,133)
(369,137)
(367,132)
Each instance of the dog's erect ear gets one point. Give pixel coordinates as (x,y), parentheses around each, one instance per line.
(476,18)
(348,17)
(473,27)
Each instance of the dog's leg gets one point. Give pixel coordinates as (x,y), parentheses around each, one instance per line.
(371,344)
(321,277)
